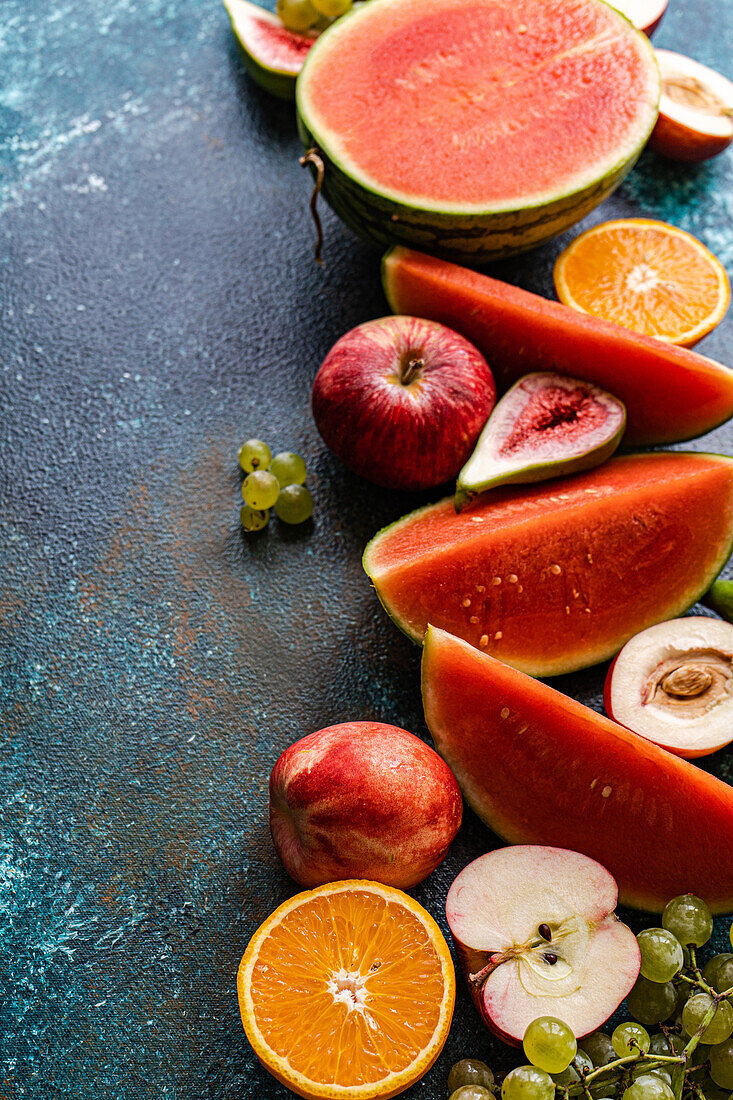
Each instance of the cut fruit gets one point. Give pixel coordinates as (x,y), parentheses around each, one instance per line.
(673,684)
(546,425)
(273,55)
(647,276)
(555,577)
(347,991)
(536,935)
(695,112)
(670,393)
(537,766)
(646,15)
(476,128)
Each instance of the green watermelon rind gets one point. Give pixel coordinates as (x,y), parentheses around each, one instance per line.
(473,237)
(273,80)
(671,613)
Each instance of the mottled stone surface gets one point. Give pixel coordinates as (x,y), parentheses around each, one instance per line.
(159,303)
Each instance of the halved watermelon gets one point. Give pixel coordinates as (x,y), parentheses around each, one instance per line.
(273,55)
(540,768)
(476,128)
(557,576)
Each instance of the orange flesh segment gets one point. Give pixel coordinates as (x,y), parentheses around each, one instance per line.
(321,1030)
(647,276)
(466,102)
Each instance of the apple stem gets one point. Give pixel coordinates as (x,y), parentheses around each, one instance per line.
(410,367)
(495,961)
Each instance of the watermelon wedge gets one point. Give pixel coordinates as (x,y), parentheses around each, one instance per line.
(670,393)
(476,128)
(559,575)
(273,55)
(540,768)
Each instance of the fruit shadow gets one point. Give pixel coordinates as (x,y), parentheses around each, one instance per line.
(270,120)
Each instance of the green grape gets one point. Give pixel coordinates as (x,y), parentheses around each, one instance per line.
(571,1076)
(297,15)
(718,972)
(294,505)
(549,1044)
(469,1071)
(599,1048)
(252,519)
(721,1064)
(527,1083)
(332,8)
(254,455)
(651,1002)
(661,954)
(472,1092)
(689,920)
(730,935)
(719,1028)
(288,468)
(711,1091)
(649,1087)
(667,1046)
(260,489)
(626,1034)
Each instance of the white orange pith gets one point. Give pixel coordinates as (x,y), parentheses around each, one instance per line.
(347,991)
(647,276)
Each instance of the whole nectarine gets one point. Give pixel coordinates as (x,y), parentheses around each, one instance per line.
(362,800)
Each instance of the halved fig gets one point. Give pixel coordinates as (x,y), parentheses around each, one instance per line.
(544,426)
(695,112)
(536,935)
(719,597)
(646,15)
(673,684)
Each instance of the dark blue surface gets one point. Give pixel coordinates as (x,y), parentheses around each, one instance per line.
(158,304)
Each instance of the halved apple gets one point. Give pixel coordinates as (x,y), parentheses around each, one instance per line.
(695,112)
(673,684)
(536,935)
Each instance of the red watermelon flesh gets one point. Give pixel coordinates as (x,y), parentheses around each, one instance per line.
(540,768)
(558,576)
(469,104)
(670,393)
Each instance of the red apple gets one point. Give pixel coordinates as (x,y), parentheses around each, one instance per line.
(536,935)
(646,15)
(695,112)
(673,684)
(362,800)
(402,401)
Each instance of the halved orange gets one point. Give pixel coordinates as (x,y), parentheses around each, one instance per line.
(347,991)
(647,276)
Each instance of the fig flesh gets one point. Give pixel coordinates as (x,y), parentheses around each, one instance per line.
(673,684)
(544,426)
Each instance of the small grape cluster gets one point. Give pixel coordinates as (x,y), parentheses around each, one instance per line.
(272,483)
(690,1057)
(310,16)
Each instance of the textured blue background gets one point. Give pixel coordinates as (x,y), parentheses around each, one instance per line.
(158,304)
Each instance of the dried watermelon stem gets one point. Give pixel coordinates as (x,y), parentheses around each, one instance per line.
(313,157)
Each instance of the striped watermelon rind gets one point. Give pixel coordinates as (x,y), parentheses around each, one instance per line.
(275,70)
(468,237)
